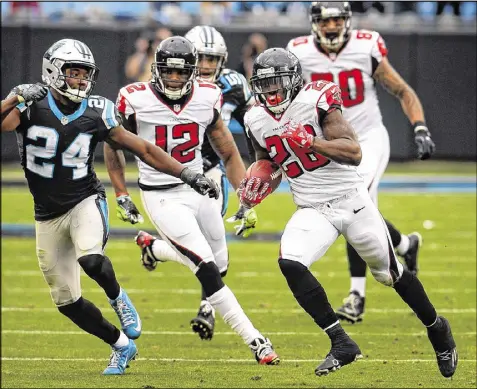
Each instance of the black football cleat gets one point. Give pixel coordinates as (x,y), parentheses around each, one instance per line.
(353,308)
(410,258)
(340,355)
(204,322)
(443,342)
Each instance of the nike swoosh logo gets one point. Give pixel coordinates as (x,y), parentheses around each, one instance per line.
(138,327)
(355,211)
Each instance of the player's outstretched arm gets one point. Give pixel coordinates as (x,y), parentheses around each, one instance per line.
(157,158)
(10,115)
(126,210)
(116,165)
(411,105)
(120,138)
(224,145)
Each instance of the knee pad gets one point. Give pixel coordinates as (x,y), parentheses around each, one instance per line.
(92,264)
(297,276)
(210,278)
(72,310)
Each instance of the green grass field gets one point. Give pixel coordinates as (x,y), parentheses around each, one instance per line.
(41,348)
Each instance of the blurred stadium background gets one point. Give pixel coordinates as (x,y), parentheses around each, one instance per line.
(431,44)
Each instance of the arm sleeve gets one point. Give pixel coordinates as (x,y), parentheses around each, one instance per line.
(110,119)
(110,115)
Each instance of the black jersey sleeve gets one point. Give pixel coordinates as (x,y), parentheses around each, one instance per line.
(236,94)
(108,115)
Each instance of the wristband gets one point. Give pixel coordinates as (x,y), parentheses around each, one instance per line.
(420,126)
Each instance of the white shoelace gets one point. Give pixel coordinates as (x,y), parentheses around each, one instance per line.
(114,358)
(444,355)
(126,315)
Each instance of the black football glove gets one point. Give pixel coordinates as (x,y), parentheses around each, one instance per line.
(127,211)
(31,92)
(422,138)
(200,183)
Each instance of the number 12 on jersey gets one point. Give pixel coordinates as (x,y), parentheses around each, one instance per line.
(183,152)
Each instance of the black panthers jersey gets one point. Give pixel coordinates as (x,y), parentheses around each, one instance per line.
(57,151)
(236,99)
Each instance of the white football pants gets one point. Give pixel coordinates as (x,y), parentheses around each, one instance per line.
(189,223)
(311,231)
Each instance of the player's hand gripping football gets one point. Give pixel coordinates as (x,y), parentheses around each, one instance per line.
(252,191)
(30,92)
(200,183)
(248,219)
(127,211)
(298,134)
(425,145)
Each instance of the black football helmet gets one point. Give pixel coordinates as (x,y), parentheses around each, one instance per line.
(320,10)
(276,70)
(176,53)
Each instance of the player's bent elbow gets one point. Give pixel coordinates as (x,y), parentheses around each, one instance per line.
(357,158)
(355,155)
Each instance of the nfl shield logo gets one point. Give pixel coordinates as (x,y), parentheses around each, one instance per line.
(177,107)
(64,120)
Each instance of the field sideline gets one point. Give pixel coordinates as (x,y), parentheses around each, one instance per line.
(41,348)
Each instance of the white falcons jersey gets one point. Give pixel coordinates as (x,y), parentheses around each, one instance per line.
(177,129)
(313,178)
(352,70)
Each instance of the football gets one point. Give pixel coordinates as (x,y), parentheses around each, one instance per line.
(267,171)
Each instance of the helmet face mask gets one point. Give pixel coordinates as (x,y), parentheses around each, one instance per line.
(276,79)
(210,45)
(175,67)
(69,68)
(330,23)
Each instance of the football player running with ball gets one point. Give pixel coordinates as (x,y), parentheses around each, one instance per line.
(58,127)
(301,129)
(355,60)
(176,111)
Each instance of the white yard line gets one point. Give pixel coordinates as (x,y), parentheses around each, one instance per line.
(229,333)
(248,361)
(251,310)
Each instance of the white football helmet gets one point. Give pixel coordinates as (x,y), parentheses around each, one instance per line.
(68,53)
(208,41)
